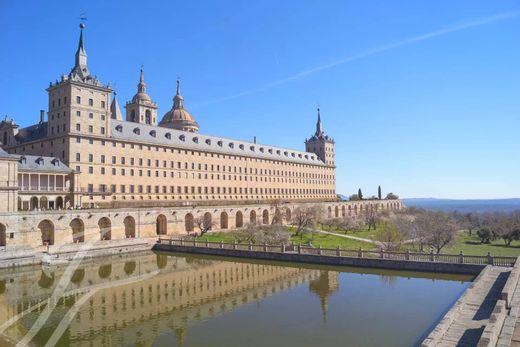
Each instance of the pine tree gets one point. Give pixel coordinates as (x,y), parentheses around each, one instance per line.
(360,195)
(379,192)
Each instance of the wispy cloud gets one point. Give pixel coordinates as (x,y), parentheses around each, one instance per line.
(408,41)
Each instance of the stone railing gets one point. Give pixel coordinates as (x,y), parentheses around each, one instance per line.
(347,253)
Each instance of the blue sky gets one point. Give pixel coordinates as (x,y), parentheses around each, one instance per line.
(422,97)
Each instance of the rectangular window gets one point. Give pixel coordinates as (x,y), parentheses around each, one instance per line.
(102,158)
(123,188)
(78,99)
(102,130)
(78,157)
(90,102)
(78,127)
(113,188)
(78,113)
(90,158)
(103,103)
(90,170)
(90,129)
(91,115)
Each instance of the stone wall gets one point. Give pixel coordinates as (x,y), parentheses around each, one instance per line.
(34,229)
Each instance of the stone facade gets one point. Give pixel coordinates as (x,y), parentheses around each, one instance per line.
(37,229)
(143,162)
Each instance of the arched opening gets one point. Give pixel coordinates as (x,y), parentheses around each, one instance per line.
(265,217)
(105,229)
(129,223)
(355,210)
(44,203)
(78,230)
(67,203)
(336,212)
(132,116)
(20,204)
(343,211)
(148,117)
(59,203)
(239,220)
(161,225)
(105,271)
(33,203)
(3,238)
(188,222)
(78,276)
(288,214)
(129,267)
(223,220)
(47,231)
(162,261)
(46,281)
(207,221)
(252,217)
(329,212)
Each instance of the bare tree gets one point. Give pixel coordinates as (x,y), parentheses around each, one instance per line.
(390,237)
(279,213)
(372,218)
(439,228)
(304,218)
(350,224)
(204,224)
(406,223)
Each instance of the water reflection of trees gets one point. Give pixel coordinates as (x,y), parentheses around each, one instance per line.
(46,281)
(105,271)
(130,267)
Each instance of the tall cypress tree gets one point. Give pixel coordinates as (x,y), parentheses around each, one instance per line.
(360,195)
(379,192)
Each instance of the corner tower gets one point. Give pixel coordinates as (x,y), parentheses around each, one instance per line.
(321,144)
(141,109)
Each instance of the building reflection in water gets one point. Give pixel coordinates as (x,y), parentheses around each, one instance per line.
(133,298)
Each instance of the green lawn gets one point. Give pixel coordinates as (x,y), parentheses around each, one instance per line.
(361,232)
(323,240)
(470,245)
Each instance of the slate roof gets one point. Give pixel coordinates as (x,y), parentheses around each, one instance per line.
(32,132)
(123,130)
(42,164)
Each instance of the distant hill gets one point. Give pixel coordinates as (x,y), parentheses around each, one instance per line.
(476,205)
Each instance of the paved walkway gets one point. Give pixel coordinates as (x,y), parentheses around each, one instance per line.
(475,309)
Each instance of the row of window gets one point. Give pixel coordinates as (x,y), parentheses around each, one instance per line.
(206,167)
(149,189)
(78,101)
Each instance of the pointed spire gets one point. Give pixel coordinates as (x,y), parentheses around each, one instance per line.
(319,126)
(141,87)
(115,110)
(80,68)
(178,100)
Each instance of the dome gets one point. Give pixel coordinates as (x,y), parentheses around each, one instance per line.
(141,97)
(179,118)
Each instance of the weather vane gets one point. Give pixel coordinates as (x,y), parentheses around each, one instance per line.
(82,18)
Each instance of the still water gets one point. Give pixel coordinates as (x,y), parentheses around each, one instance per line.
(155,299)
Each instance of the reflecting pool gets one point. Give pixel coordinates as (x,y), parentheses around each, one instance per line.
(158,299)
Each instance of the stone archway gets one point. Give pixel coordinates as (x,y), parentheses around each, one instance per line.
(329,212)
(47,232)
(207,221)
(33,203)
(129,223)
(44,203)
(288,216)
(188,222)
(265,217)
(78,230)
(223,220)
(161,225)
(239,219)
(59,203)
(105,229)
(3,235)
(336,211)
(343,211)
(252,217)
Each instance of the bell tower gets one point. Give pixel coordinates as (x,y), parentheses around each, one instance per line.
(322,145)
(141,109)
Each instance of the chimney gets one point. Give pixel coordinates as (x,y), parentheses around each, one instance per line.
(254,139)
(42,116)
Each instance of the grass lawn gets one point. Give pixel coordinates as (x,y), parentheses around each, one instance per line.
(361,232)
(470,245)
(323,240)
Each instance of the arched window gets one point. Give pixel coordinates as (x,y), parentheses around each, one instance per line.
(223,220)
(129,223)
(47,232)
(148,117)
(265,217)
(252,217)
(2,235)
(239,220)
(161,225)
(132,116)
(78,230)
(188,222)
(105,229)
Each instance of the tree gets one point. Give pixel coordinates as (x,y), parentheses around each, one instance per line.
(360,194)
(204,223)
(392,196)
(439,228)
(485,235)
(279,212)
(503,226)
(350,224)
(379,192)
(353,197)
(405,222)
(304,218)
(390,237)
(372,218)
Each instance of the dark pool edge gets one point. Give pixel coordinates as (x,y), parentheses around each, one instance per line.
(387,264)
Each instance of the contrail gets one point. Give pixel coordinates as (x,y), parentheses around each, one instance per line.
(371,52)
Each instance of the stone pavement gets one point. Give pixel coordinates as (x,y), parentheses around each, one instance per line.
(464,324)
